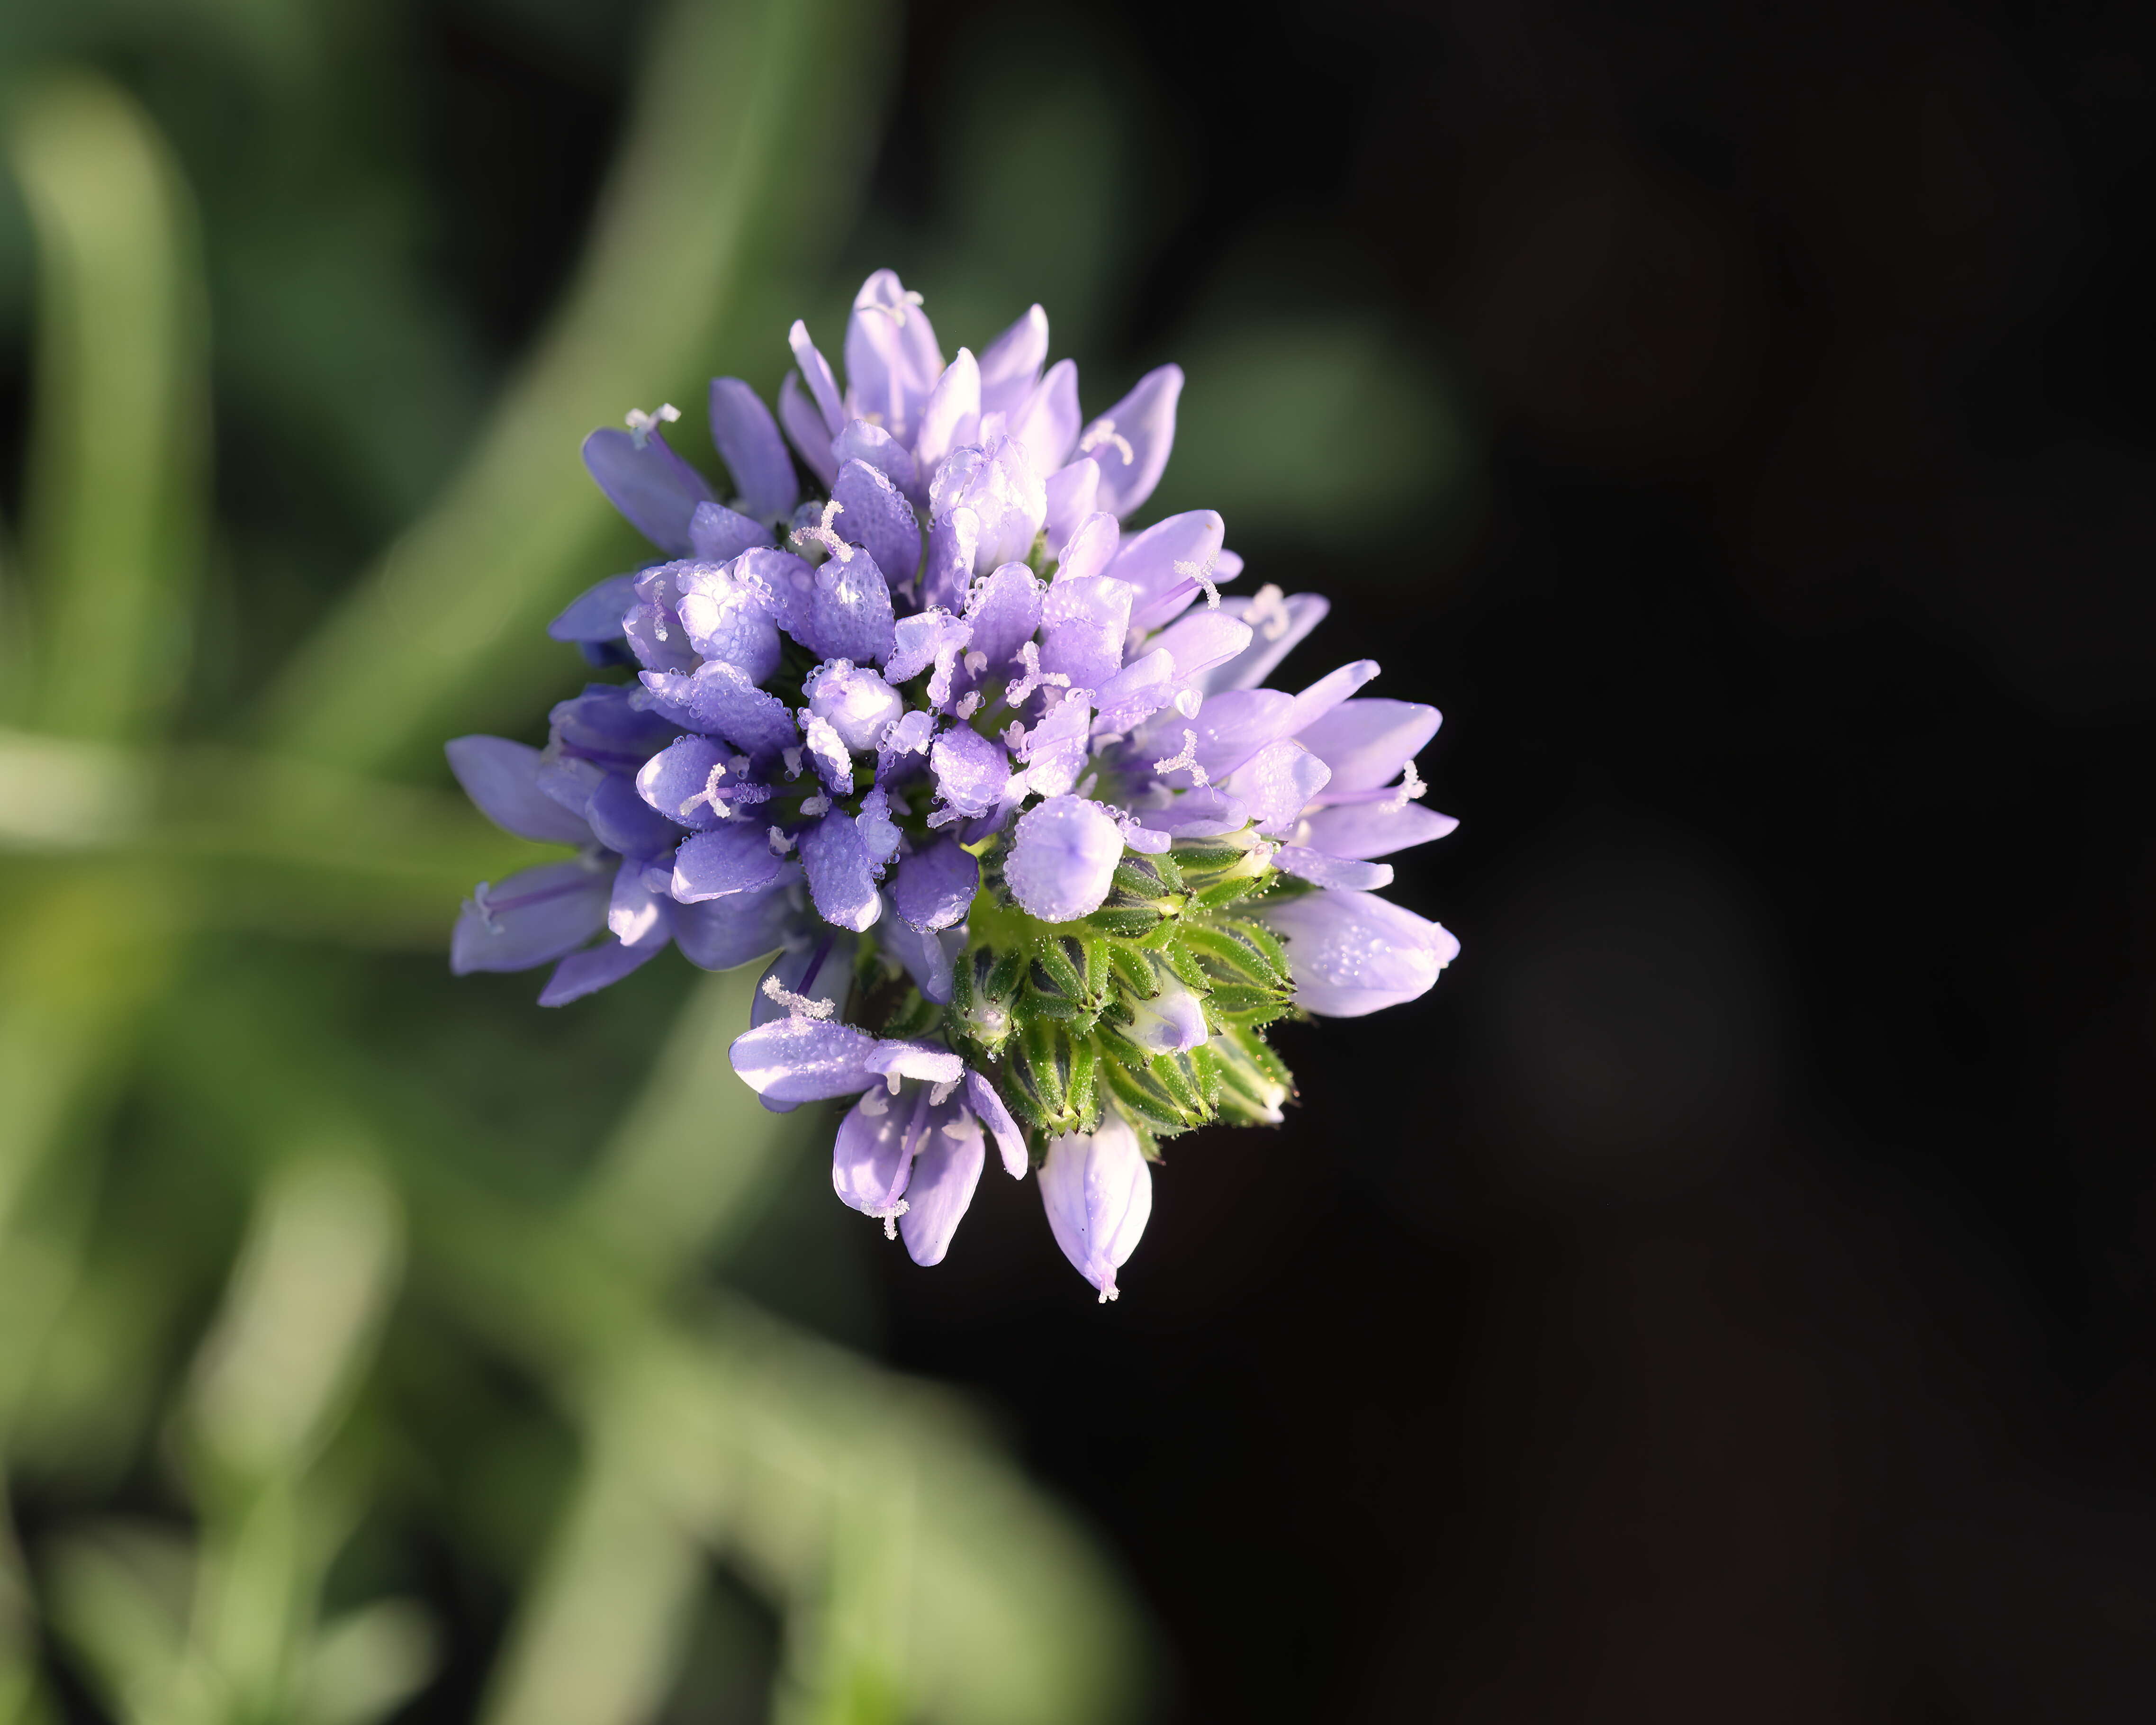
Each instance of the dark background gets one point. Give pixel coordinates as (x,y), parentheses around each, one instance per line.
(1728,1296)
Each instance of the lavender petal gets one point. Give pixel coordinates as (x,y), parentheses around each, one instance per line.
(501,777)
(654,488)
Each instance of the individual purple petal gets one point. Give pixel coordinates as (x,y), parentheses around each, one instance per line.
(892,360)
(1353,953)
(595,614)
(1011,365)
(1063,856)
(947,573)
(917,640)
(849,614)
(934,887)
(1278,782)
(1098,1193)
(911,736)
(784,583)
(622,821)
(1321,869)
(841,875)
(654,487)
(748,442)
(951,415)
(859,705)
(1365,742)
(1209,813)
(635,911)
(1003,612)
(999,484)
(872,1156)
(1329,692)
(1172,1022)
(656,640)
(872,446)
(945,1170)
(680,782)
(1200,641)
(605,725)
(1132,440)
(725,616)
(723,933)
(718,535)
(803,1060)
(569,784)
(720,700)
(926,956)
(1091,548)
(1365,830)
(897,1058)
(970,769)
(535,914)
(816,373)
(1229,729)
(1010,1142)
(805,428)
(1083,621)
(596,967)
(1159,564)
(834,766)
(1056,750)
(501,776)
(734,858)
(819,972)
(1046,424)
(1140,689)
(1070,491)
(874,515)
(1277,623)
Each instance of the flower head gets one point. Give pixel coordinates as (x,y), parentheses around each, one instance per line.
(993,783)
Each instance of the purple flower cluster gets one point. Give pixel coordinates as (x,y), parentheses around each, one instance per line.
(995,779)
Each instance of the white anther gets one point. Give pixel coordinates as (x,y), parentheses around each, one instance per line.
(739,763)
(977,661)
(968,705)
(893,1080)
(939,1094)
(799,1006)
(780,843)
(642,424)
(1410,787)
(873,1105)
(1269,614)
(889,1217)
(1108,1294)
(1085,784)
(482,897)
(1187,757)
(1014,735)
(791,757)
(897,314)
(1103,431)
(822,534)
(1202,573)
(818,804)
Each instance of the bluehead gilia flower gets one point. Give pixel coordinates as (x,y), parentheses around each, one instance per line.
(995,778)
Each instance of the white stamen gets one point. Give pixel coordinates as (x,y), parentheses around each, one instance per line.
(738,762)
(1108,1294)
(1187,757)
(889,1217)
(482,896)
(939,1094)
(780,843)
(821,533)
(642,424)
(968,705)
(818,804)
(873,1104)
(894,1080)
(1410,787)
(1269,614)
(1085,784)
(793,760)
(1202,573)
(799,1006)
(897,314)
(1103,431)
(977,662)
(1034,677)
(1013,737)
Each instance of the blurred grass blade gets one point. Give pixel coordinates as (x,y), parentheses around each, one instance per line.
(114,514)
(313,1279)
(599,1636)
(367,1664)
(753,118)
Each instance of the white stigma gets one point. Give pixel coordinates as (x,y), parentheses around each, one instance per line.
(1034,677)
(1411,786)
(799,1006)
(897,314)
(889,1217)
(1103,432)
(1202,573)
(822,534)
(1187,758)
(642,424)
(1268,613)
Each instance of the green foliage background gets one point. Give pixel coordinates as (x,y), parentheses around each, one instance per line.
(333,1295)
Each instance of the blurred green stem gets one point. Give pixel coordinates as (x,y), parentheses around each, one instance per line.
(121,442)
